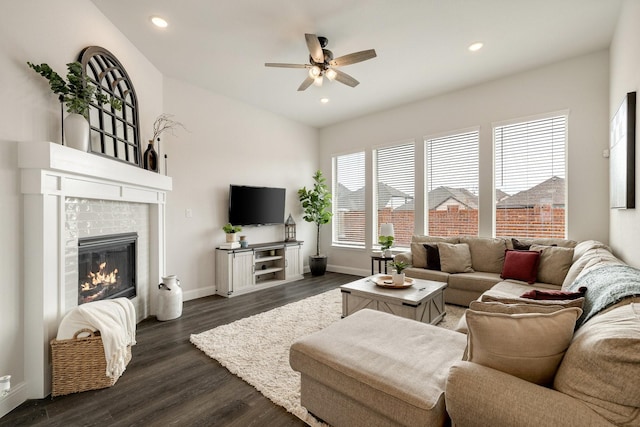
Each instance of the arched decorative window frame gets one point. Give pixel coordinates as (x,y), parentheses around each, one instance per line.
(113,133)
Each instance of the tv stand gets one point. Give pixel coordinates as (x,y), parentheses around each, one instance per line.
(259,266)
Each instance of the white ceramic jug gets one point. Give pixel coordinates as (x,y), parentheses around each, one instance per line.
(169,298)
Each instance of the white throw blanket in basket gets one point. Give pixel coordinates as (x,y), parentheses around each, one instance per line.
(116,321)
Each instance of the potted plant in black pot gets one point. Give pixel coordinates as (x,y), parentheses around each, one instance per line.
(316,206)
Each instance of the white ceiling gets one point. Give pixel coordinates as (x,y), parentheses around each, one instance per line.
(222,45)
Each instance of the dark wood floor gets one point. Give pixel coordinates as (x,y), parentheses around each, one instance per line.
(170,382)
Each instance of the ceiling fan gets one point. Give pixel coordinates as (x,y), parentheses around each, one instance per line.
(321,63)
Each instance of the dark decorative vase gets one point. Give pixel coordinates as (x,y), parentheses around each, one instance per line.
(318,265)
(150,158)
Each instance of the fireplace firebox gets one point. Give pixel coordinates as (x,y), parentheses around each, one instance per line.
(107,267)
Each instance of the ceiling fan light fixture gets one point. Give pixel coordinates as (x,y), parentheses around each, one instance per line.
(324,100)
(318,81)
(330,74)
(314,72)
(159,22)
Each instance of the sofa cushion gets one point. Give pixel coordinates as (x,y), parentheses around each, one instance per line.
(455,258)
(478,282)
(521,265)
(582,247)
(486,254)
(555,262)
(527,345)
(419,253)
(423,273)
(433,256)
(602,365)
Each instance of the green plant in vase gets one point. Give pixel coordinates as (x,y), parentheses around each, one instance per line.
(77,93)
(231,231)
(385,243)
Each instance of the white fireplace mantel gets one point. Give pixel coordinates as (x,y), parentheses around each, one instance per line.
(49,174)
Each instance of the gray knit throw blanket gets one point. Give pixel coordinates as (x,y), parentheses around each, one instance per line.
(606,286)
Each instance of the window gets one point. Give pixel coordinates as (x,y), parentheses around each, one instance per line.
(530,178)
(394,176)
(452,184)
(348,199)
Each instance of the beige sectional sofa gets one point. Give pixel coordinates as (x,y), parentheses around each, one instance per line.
(521,364)
(487,260)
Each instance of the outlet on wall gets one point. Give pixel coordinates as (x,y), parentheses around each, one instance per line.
(188,213)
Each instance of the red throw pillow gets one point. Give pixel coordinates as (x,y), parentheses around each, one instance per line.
(521,265)
(553,294)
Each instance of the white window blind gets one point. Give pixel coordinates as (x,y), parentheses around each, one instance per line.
(348,195)
(530,163)
(394,180)
(452,184)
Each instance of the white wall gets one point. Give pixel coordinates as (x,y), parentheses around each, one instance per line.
(578,84)
(228,143)
(625,77)
(52,32)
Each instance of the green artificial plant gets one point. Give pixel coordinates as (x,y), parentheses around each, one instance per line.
(316,204)
(385,242)
(399,266)
(230,229)
(76,92)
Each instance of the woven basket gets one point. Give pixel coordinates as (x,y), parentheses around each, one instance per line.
(79,364)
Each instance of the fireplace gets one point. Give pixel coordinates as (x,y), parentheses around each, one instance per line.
(107,267)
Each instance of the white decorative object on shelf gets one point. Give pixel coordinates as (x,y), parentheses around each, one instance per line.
(5,385)
(76,132)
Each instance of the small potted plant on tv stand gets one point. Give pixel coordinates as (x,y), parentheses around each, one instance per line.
(231,231)
(316,205)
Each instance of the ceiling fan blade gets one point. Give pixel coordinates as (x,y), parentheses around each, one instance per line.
(276,64)
(305,84)
(346,79)
(315,50)
(352,58)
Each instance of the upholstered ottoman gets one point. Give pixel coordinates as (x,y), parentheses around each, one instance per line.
(377,369)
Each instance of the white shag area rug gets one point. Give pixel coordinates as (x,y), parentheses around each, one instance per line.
(256,348)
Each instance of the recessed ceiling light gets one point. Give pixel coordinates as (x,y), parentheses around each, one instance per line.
(324,100)
(159,22)
(474,47)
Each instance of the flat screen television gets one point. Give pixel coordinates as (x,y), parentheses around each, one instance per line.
(256,205)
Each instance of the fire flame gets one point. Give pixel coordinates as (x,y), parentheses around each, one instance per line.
(101,277)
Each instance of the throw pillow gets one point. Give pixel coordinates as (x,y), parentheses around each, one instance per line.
(529,346)
(555,262)
(487,297)
(554,295)
(521,265)
(455,258)
(520,246)
(498,307)
(433,256)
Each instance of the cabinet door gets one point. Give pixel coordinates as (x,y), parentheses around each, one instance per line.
(242,276)
(293,262)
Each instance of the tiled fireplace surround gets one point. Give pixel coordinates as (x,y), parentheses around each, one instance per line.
(69,194)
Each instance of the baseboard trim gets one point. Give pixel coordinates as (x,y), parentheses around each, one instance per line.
(17,396)
(199,293)
(349,270)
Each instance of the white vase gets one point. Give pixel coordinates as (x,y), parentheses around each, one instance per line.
(76,132)
(398,278)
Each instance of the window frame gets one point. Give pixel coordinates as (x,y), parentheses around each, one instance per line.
(526,119)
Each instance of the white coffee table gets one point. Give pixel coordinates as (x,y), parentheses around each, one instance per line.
(424,301)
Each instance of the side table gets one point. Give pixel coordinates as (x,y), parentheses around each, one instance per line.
(381,259)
